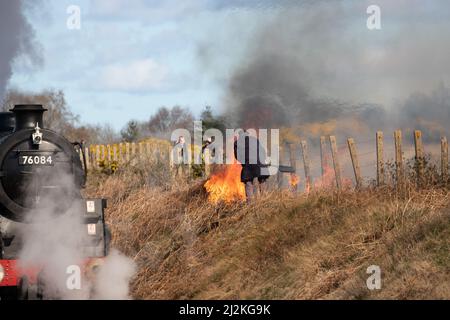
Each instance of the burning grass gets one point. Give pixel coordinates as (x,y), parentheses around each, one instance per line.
(225,185)
(310,246)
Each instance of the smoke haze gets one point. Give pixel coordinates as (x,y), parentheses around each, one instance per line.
(316,61)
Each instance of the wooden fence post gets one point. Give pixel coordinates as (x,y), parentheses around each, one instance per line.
(127,152)
(398,156)
(419,156)
(169,157)
(293,163)
(207,157)
(337,168)
(355,162)
(380,158)
(80,154)
(113,152)
(88,158)
(120,160)
(108,153)
(306,165)
(189,159)
(444,159)
(141,151)
(97,155)
(323,157)
(133,149)
(281,160)
(93,156)
(158,154)
(104,153)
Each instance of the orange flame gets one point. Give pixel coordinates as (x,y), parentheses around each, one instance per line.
(294,180)
(327,180)
(226,185)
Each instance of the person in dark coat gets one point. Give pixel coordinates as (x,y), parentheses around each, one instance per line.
(252,156)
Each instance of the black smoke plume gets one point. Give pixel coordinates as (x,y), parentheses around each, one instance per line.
(311,62)
(17,38)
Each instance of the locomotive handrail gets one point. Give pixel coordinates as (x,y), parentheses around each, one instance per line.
(37,151)
(80,145)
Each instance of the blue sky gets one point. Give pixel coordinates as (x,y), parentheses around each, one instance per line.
(131,57)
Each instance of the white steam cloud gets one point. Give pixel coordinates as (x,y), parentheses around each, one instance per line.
(55,242)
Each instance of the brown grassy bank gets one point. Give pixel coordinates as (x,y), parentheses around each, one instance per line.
(282,247)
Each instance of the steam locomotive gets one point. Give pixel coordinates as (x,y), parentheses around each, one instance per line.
(40,169)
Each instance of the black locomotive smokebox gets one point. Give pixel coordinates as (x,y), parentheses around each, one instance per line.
(7,122)
(28,116)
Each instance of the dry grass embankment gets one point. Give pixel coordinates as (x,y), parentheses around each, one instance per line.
(315,246)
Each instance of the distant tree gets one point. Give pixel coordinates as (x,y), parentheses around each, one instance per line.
(209,120)
(59,117)
(160,121)
(107,134)
(97,134)
(165,120)
(131,131)
(86,133)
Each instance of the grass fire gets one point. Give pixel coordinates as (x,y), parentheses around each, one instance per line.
(224,150)
(225,185)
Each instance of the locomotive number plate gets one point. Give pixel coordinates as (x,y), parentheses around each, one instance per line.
(35,160)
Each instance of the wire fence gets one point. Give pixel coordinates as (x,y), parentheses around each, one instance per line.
(356,160)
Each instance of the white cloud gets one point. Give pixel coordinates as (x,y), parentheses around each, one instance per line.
(148,11)
(136,76)
(108,6)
